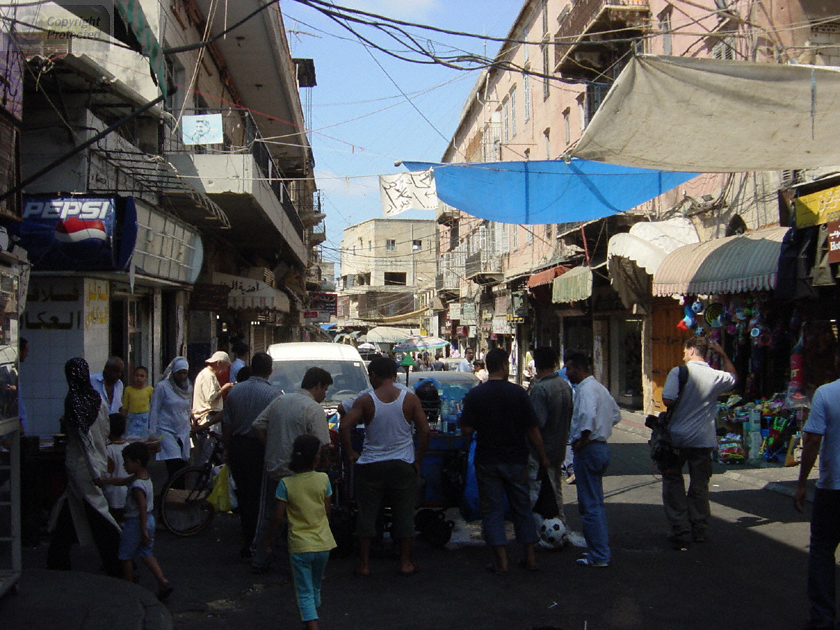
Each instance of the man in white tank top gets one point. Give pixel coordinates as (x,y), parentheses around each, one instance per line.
(389,461)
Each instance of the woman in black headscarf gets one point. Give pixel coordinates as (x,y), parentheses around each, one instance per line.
(81,514)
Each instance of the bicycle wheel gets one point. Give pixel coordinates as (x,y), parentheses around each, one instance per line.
(184,507)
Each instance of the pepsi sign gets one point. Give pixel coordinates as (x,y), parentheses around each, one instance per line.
(78,233)
(82,209)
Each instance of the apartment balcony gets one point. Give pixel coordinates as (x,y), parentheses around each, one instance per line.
(259,211)
(446,214)
(484,268)
(316,237)
(380,305)
(109,75)
(585,46)
(311,218)
(244,179)
(449,283)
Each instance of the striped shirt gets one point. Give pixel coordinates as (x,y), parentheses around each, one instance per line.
(245,402)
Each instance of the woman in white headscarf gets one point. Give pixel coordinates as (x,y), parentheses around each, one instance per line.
(170,415)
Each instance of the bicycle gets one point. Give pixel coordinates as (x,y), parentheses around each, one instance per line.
(184,506)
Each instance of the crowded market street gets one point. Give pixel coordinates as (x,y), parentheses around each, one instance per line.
(749,574)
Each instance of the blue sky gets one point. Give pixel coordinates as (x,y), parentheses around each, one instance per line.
(359,120)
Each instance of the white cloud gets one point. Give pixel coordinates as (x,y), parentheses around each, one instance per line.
(353,187)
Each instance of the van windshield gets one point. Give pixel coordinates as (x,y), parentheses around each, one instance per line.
(348,377)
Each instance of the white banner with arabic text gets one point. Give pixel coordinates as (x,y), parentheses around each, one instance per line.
(407,191)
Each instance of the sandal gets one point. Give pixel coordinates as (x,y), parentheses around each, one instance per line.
(414,569)
(492,568)
(164,592)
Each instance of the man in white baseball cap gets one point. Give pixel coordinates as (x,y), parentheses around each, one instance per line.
(208,400)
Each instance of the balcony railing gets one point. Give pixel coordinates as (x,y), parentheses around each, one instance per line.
(447,281)
(251,141)
(482,263)
(584,12)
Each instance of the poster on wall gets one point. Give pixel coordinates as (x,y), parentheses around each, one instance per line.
(204,129)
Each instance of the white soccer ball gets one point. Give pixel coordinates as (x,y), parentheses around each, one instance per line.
(552,533)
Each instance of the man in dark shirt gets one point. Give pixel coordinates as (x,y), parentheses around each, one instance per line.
(504,421)
(245,452)
(551,396)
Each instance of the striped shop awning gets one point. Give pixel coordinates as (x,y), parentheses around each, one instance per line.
(546,276)
(747,262)
(573,286)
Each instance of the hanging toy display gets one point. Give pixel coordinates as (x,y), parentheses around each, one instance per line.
(714,315)
(796,389)
(689,320)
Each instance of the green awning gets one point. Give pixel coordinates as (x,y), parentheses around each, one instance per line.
(573,286)
(132,14)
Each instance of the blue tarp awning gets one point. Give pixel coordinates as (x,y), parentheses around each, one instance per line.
(553,191)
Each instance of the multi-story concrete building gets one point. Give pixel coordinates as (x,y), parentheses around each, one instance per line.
(211,236)
(385,264)
(550,284)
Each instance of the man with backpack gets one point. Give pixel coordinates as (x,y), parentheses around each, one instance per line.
(693,432)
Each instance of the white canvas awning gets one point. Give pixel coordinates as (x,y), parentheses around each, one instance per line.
(649,242)
(248,294)
(634,257)
(388,334)
(714,116)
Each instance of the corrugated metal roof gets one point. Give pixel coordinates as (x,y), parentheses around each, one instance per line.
(747,262)
(573,286)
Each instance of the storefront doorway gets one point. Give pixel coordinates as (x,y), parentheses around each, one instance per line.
(131,328)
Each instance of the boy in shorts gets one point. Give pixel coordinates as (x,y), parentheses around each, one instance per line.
(138,531)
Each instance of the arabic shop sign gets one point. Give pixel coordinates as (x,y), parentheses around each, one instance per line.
(817,208)
(323,303)
(78,233)
(833,241)
(66,304)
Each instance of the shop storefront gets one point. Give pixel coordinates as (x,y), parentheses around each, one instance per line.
(110,278)
(238,307)
(727,292)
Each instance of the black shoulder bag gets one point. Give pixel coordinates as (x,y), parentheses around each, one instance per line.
(661,450)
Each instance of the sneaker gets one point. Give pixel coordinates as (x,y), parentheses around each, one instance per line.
(586,562)
(680,542)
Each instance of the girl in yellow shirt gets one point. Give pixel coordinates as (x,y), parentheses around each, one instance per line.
(137,399)
(305,499)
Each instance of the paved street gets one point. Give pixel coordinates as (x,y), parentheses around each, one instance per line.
(750,574)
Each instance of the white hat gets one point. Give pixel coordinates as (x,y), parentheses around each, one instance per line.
(219,357)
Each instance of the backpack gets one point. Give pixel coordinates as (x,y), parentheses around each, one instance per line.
(661,451)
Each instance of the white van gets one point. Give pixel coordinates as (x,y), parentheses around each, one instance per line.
(343,362)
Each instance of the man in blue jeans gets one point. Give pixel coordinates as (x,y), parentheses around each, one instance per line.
(595,414)
(821,435)
(501,415)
